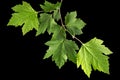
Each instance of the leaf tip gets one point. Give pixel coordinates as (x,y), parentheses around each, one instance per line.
(78,65)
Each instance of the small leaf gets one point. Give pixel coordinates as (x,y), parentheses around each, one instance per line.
(61,50)
(44,21)
(56,15)
(53,26)
(48,6)
(24,15)
(91,55)
(74,25)
(70,17)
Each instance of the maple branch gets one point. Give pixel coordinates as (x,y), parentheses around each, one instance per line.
(77,39)
(61,1)
(74,37)
(66,29)
(39,11)
(61,20)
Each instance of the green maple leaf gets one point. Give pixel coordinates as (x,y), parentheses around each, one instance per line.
(93,54)
(56,15)
(73,24)
(24,15)
(61,50)
(48,6)
(46,23)
(53,27)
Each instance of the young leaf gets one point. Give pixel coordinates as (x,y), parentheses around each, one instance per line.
(44,21)
(24,15)
(53,26)
(61,50)
(93,54)
(48,6)
(56,15)
(73,24)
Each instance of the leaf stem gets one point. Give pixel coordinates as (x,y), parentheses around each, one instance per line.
(74,37)
(40,11)
(77,39)
(61,1)
(61,20)
(66,29)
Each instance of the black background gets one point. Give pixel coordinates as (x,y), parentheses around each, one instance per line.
(21,56)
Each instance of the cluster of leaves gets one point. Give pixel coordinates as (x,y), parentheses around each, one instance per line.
(92,54)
